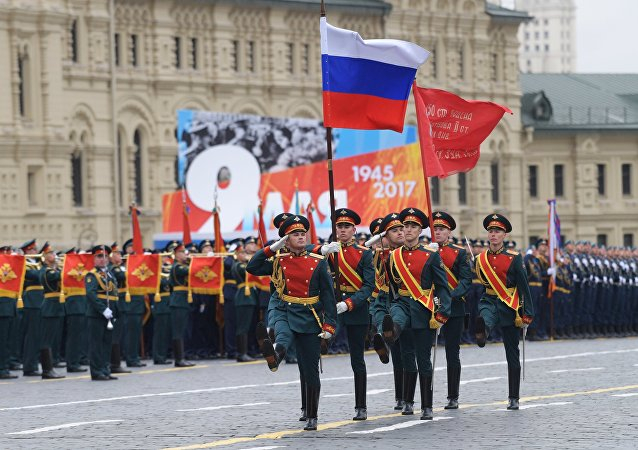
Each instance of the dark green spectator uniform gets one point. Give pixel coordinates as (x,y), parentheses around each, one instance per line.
(162,318)
(508,267)
(245,305)
(459,278)
(180,307)
(32,296)
(356,283)
(52,317)
(101,292)
(304,307)
(119,307)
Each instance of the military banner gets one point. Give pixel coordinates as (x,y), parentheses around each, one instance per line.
(206,275)
(75,268)
(143,274)
(260,282)
(12,271)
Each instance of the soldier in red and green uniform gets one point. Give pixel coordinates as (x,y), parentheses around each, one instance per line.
(356,282)
(506,303)
(421,303)
(459,279)
(304,305)
(101,292)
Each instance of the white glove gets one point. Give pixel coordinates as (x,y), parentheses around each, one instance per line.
(551,271)
(332,247)
(373,239)
(279,244)
(597,279)
(615,266)
(576,260)
(437,301)
(605,279)
(341,307)
(435,246)
(210,254)
(202,307)
(325,335)
(607,262)
(636,280)
(108,314)
(585,262)
(529,251)
(575,277)
(599,263)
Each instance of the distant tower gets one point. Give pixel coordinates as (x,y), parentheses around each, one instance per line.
(548,42)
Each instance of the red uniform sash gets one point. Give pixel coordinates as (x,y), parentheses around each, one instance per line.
(348,273)
(424,297)
(508,296)
(449,256)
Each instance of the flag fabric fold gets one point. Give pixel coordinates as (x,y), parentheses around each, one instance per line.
(143,274)
(554,241)
(138,246)
(12,272)
(313,230)
(366,83)
(206,275)
(186,228)
(451,129)
(263,236)
(75,268)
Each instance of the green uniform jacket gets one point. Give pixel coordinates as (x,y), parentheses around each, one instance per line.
(358,304)
(50,279)
(511,264)
(162,306)
(432,272)
(119,272)
(289,276)
(33,293)
(238,272)
(98,284)
(75,305)
(456,259)
(179,279)
(8,307)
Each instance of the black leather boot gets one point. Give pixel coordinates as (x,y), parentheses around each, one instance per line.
(242,348)
(274,354)
(261,334)
(381,348)
(425,384)
(46,359)
(409,386)
(514,380)
(480,331)
(398,389)
(312,405)
(116,360)
(303,416)
(391,330)
(453,381)
(178,350)
(360,389)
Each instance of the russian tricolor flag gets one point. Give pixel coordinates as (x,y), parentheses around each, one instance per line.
(366,83)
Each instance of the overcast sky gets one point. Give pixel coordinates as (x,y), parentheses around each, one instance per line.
(606,35)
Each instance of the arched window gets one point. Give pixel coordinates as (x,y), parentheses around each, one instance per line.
(137,165)
(76,178)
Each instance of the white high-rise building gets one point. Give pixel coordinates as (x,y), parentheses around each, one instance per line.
(548,42)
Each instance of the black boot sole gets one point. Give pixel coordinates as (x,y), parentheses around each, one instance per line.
(480,334)
(381,348)
(270,355)
(388,328)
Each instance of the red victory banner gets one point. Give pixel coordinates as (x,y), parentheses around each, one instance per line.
(143,274)
(206,275)
(12,271)
(75,268)
(452,129)
(260,282)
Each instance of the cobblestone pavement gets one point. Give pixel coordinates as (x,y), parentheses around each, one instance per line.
(577,394)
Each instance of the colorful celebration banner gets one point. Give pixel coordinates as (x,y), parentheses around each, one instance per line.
(206,274)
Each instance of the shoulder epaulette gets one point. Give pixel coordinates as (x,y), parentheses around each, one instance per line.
(316,256)
(93,271)
(512,252)
(460,247)
(429,249)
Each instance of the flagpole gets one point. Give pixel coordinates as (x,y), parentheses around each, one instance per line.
(332,193)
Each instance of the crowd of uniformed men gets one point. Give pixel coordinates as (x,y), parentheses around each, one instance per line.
(396,292)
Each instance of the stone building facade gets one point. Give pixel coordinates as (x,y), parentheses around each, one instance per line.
(85,131)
